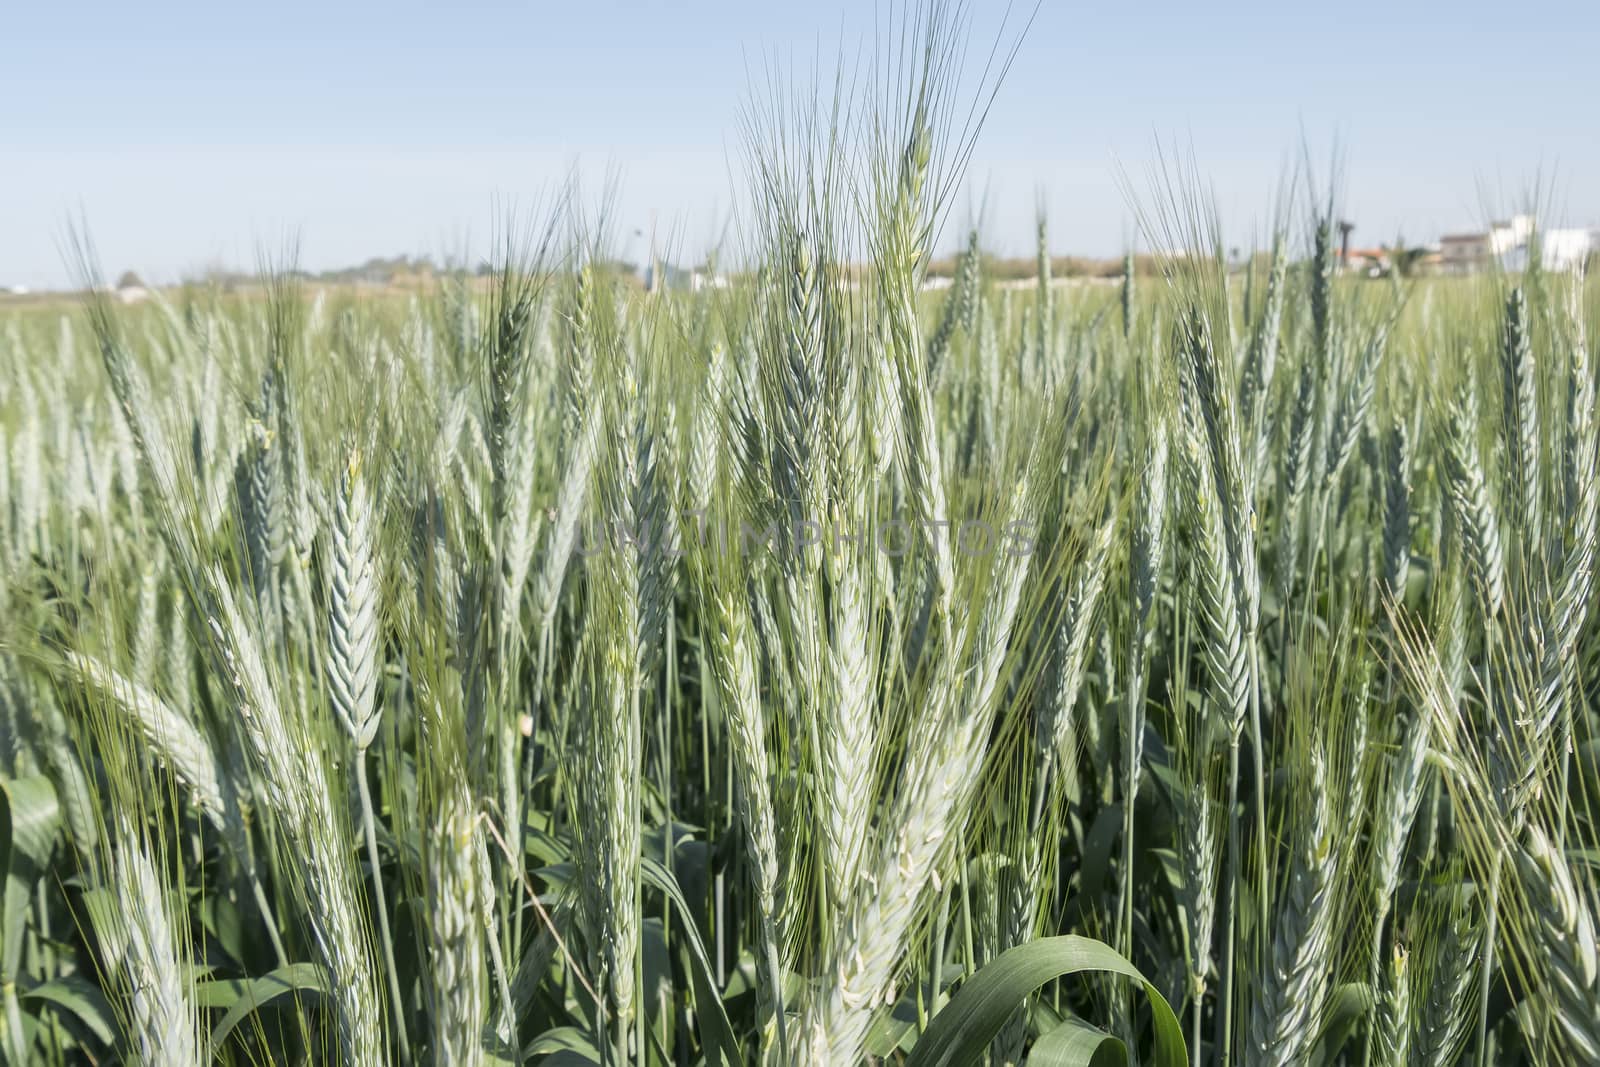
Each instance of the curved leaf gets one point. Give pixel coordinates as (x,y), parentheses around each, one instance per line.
(716,1033)
(104,917)
(1347,1006)
(32,818)
(564,1044)
(243,997)
(1075,1043)
(83,1000)
(5,830)
(962,1031)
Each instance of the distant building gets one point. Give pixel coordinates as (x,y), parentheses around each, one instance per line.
(701,279)
(1506,237)
(15,290)
(1373,262)
(1462,253)
(130,289)
(660,276)
(1506,245)
(1565,249)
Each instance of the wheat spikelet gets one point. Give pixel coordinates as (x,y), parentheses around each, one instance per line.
(1446,981)
(1285,1013)
(174,739)
(1393,1025)
(1520,409)
(1295,477)
(706,435)
(1069,655)
(653,509)
(987,874)
(1580,446)
(1529,705)
(1147,556)
(1200,849)
(613,746)
(792,376)
(258,487)
(1226,653)
(1398,811)
(165,1026)
(147,627)
(939,774)
(1581,467)
(353,600)
(519,533)
(352,670)
(903,232)
(1472,506)
(457,968)
(850,734)
(1396,511)
(1261,360)
(295,786)
(958,308)
(506,362)
(178,668)
(613,827)
(132,393)
(733,667)
(1224,523)
(1355,406)
(845,713)
(578,366)
(564,525)
(1564,918)
(1322,289)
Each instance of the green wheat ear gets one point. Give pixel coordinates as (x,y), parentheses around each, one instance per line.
(165,1025)
(353,597)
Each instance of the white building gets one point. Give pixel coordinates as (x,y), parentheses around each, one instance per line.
(1507,237)
(1506,246)
(701,280)
(1565,249)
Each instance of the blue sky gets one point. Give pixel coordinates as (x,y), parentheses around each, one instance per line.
(191,134)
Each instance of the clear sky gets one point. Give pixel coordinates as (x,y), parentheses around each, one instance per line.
(193,133)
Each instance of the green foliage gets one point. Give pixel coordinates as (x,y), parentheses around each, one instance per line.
(532,669)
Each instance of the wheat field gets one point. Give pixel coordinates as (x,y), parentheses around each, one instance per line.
(816,670)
